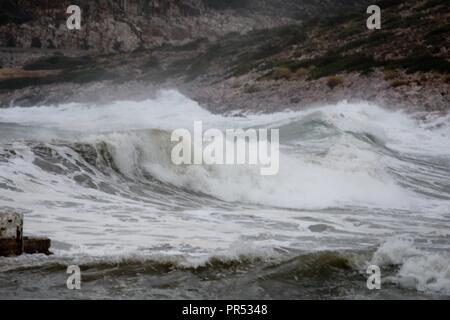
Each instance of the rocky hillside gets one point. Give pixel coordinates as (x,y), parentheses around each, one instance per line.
(321,59)
(126,25)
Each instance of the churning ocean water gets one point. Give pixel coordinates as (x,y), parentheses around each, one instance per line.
(358,185)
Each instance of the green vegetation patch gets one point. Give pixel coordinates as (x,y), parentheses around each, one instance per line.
(86,75)
(71,76)
(430,4)
(332,65)
(424,63)
(394,21)
(373,40)
(189,46)
(58,62)
(329,65)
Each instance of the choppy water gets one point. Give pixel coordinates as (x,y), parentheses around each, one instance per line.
(358,185)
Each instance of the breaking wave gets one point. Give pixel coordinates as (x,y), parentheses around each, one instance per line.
(100,180)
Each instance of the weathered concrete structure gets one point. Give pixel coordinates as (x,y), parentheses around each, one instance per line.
(11,234)
(12,241)
(11,225)
(36,245)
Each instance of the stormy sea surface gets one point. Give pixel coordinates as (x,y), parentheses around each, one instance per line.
(358,186)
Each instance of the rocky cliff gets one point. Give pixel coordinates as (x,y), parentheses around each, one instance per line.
(126,25)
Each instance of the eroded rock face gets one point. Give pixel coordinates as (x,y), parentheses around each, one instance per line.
(126,25)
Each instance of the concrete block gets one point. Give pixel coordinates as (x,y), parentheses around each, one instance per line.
(11,225)
(36,245)
(10,247)
(12,241)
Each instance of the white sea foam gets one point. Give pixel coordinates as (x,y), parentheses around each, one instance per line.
(419,269)
(360,172)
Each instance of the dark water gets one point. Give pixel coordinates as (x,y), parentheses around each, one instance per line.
(327,275)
